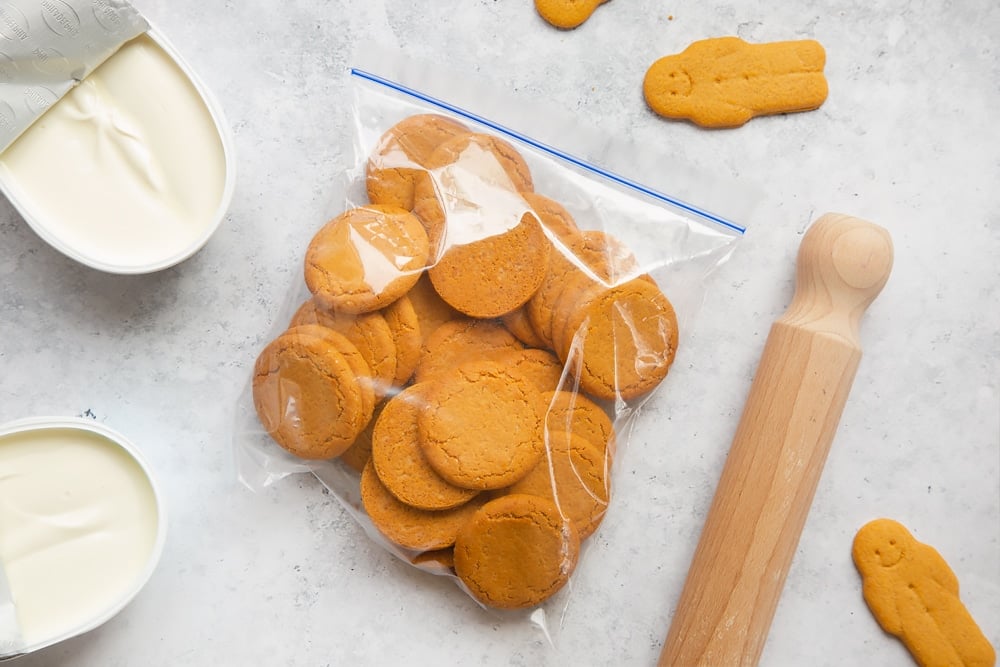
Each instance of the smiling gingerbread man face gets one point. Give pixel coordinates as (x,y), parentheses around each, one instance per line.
(883,547)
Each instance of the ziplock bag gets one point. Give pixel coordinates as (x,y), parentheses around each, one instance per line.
(477,324)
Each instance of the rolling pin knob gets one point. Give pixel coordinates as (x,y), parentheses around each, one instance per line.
(779,449)
(843,264)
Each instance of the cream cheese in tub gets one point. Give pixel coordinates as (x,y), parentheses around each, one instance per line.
(131,170)
(81,527)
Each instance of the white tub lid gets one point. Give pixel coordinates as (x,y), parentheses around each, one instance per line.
(49,47)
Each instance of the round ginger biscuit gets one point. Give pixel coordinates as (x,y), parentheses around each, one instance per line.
(306,396)
(477,171)
(573,474)
(574,413)
(356,362)
(541,307)
(431,309)
(459,341)
(578,290)
(405,326)
(494,275)
(517,323)
(553,215)
(369,332)
(516,552)
(539,366)
(482,428)
(399,459)
(468,149)
(609,263)
(409,527)
(401,156)
(626,339)
(577,287)
(365,258)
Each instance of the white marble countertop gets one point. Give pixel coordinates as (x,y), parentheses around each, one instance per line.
(907,139)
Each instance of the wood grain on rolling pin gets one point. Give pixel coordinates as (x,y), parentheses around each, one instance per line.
(781,443)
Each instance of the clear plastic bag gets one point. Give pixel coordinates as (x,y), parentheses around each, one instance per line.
(479,322)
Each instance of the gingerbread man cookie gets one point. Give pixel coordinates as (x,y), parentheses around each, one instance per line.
(724,82)
(913,595)
(566,14)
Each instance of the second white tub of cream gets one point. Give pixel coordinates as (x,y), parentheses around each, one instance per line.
(82,525)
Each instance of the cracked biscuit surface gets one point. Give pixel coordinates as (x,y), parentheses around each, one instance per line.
(482,427)
(370,333)
(516,551)
(573,474)
(400,461)
(621,341)
(306,396)
(462,340)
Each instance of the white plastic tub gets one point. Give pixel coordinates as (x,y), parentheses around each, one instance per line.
(133,170)
(82,526)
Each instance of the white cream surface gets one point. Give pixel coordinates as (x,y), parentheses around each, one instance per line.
(127,169)
(78,527)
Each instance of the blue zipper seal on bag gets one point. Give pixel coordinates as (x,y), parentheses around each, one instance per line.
(555,152)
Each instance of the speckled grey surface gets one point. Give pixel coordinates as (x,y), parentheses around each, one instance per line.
(906,139)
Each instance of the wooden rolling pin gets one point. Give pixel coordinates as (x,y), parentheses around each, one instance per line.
(779,449)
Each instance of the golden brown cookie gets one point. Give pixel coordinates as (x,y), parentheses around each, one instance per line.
(401,155)
(405,326)
(365,258)
(517,323)
(431,309)
(307,397)
(471,189)
(516,552)
(913,594)
(608,257)
(577,287)
(358,454)
(399,459)
(724,81)
(482,428)
(409,527)
(566,14)
(541,306)
(539,366)
(584,258)
(494,275)
(572,412)
(459,341)
(359,367)
(481,153)
(369,332)
(626,337)
(573,474)
(553,215)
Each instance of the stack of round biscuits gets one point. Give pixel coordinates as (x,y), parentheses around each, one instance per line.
(461,337)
